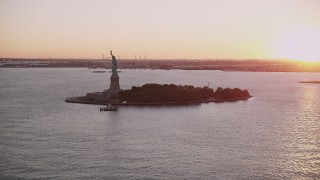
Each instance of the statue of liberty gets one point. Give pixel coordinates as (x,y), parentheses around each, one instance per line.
(114,84)
(114,64)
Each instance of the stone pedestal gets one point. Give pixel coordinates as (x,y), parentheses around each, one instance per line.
(114,83)
(111,94)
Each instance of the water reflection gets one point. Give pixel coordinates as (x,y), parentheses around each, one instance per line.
(113,123)
(303,142)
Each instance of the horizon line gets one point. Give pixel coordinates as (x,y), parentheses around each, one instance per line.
(188,59)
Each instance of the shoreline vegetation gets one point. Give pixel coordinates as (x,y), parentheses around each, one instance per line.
(158,93)
(170,94)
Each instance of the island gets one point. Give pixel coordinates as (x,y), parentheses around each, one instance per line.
(157,94)
(167,94)
(312,82)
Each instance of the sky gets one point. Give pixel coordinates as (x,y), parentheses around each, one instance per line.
(161,29)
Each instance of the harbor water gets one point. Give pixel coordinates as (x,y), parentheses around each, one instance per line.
(274,135)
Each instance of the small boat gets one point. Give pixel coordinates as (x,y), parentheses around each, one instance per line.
(99,71)
(109,107)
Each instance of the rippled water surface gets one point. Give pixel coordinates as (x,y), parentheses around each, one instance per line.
(274,135)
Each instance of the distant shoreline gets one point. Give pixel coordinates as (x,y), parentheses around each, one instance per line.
(310,82)
(223,65)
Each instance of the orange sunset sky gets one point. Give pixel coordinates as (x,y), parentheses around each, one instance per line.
(161,29)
